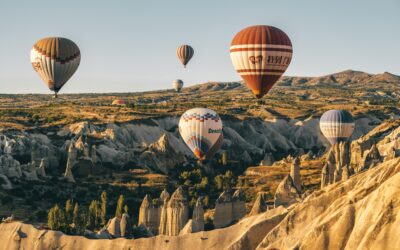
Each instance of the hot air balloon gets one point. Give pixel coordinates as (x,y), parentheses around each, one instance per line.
(201,129)
(184,53)
(55,59)
(336,125)
(261,54)
(118,102)
(177,85)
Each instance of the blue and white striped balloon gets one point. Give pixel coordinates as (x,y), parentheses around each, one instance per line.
(336,125)
(201,129)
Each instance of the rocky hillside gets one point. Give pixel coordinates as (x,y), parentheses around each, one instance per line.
(359,213)
(53,150)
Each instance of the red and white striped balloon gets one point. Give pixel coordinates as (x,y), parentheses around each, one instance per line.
(261,54)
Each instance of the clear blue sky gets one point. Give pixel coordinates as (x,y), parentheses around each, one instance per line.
(130,46)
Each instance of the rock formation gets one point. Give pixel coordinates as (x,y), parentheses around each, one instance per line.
(337,159)
(71,161)
(379,145)
(93,154)
(164,198)
(295,173)
(10,167)
(371,158)
(196,224)
(325,176)
(177,212)
(229,208)
(223,210)
(103,234)
(114,227)
(238,205)
(360,213)
(161,155)
(5,182)
(268,160)
(35,153)
(125,225)
(345,213)
(8,219)
(386,139)
(286,193)
(260,205)
(149,215)
(198,217)
(42,167)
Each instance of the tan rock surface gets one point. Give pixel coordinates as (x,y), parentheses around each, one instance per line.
(359,213)
(286,193)
(244,235)
(177,212)
(196,224)
(260,205)
(149,215)
(164,198)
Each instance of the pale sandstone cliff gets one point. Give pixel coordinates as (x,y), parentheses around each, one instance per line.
(359,213)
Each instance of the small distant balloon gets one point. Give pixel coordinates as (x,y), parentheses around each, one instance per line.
(261,54)
(55,59)
(337,125)
(201,130)
(184,53)
(177,85)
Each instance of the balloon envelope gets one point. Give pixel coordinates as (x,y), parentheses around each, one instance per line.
(177,85)
(261,54)
(55,59)
(201,128)
(336,125)
(184,53)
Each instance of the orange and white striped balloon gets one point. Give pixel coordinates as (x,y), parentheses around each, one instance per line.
(184,53)
(55,59)
(261,54)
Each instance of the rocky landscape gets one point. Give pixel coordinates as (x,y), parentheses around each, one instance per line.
(358,213)
(282,185)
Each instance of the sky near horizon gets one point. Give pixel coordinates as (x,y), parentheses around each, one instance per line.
(130,46)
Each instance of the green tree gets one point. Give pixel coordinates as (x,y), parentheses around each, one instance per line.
(56,219)
(229,180)
(93,218)
(219,181)
(75,216)
(68,212)
(224,158)
(103,207)
(81,223)
(120,206)
(226,181)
